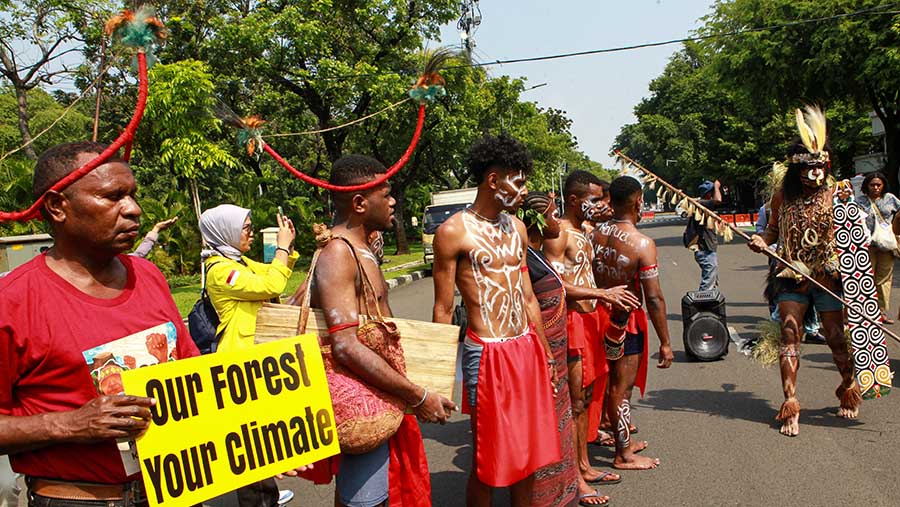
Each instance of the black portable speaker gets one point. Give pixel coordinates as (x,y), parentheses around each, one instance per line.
(706,334)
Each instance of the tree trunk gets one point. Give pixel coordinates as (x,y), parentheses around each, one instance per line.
(22,103)
(400,224)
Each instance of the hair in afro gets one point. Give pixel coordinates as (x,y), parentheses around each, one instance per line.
(502,153)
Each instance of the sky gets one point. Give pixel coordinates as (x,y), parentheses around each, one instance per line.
(598,92)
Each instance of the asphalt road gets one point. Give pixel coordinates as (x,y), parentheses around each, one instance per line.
(712,424)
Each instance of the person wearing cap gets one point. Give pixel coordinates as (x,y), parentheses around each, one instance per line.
(703,241)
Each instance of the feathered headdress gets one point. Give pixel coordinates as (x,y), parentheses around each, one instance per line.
(813,132)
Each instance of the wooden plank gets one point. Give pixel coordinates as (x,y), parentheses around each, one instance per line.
(429,348)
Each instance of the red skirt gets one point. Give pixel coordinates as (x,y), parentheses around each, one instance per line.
(409,482)
(515,421)
(583,330)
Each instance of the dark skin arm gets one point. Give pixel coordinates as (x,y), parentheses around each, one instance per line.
(759,243)
(555,249)
(103,418)
(656,307)
(619,297)
(337,271)
(446,252)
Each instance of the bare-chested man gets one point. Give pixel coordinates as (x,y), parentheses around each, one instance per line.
(571,254)
(338,288)
(624,255)
(507,362)
(603,214)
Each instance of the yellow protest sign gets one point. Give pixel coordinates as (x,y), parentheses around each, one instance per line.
(229,419)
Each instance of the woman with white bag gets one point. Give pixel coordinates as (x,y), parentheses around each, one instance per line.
(881,207)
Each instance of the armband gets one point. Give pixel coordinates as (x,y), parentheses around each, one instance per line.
(648,272)
(341,327)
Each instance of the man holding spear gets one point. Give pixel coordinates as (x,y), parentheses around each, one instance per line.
(802,224)
(807,273)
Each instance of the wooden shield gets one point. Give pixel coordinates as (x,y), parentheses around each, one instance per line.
(429,348)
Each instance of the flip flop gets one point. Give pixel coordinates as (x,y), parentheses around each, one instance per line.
(594,494)
(600,482)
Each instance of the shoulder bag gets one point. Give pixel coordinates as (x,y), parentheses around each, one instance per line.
(883,236)
(203,321)
(365,416)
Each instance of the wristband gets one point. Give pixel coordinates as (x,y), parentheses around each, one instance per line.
(285,250)
(419,404)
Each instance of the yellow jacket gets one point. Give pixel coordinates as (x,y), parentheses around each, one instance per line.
(237,292)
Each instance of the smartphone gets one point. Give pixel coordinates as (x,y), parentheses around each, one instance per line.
(280,214)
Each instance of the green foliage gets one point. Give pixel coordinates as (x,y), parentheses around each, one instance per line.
(724,109)
(300,66)
(181,96)
(15,194)
(44,110)
(847,65)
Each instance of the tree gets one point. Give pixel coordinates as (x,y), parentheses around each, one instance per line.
(333,56)
(44,111)
(35,35)
(697,125)
(853,59)
(179,122)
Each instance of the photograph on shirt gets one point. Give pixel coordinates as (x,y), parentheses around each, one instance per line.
(151,346)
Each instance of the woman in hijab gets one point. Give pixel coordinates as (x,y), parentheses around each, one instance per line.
(238,286)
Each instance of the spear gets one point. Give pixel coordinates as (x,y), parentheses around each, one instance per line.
(651,178)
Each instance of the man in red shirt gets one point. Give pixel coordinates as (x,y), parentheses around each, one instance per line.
(82,293)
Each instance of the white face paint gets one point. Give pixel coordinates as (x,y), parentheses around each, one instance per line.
(496,258)
(512,190)
(816,174)
(590,210)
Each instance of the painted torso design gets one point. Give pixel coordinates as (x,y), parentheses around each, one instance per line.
(577,266)
(496,255)
(615,261)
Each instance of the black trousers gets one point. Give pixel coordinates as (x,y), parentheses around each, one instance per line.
(259,494)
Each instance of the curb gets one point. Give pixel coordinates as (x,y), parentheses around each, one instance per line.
(393,283)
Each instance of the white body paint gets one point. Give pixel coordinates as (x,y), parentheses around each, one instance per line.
(509,198)
(499,281)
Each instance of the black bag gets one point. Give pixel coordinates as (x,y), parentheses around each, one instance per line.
(203,321)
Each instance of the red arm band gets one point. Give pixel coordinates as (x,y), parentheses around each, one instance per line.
(341,327)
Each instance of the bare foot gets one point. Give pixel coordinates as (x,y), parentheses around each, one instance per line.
(635,462)
(791,426)
(605,439)
(638,446)
(848,413)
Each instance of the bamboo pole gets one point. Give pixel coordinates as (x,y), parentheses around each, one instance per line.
(710,214)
